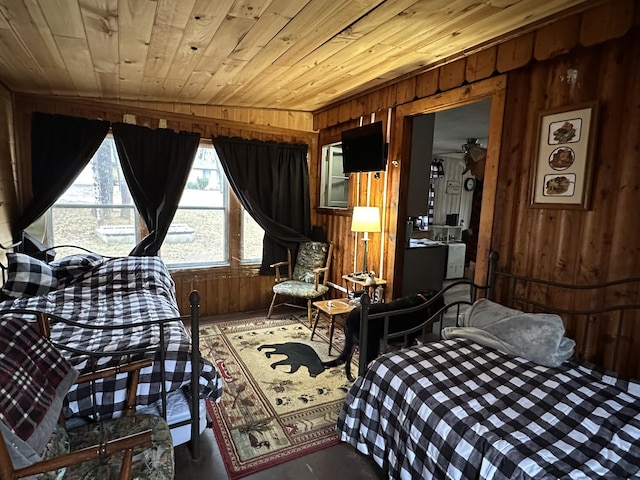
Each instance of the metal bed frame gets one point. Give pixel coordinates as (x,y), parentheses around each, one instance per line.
(193,319)
(44,321)
(520,292)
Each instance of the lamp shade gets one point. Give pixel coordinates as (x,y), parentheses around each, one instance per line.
(365,219)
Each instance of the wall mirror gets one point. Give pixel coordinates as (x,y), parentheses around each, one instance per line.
(334,184)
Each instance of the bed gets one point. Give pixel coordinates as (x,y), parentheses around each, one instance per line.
(461,408)
(105,311)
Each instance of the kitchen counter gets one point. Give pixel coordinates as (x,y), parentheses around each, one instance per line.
(423,242)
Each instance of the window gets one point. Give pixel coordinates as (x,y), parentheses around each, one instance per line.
(97,213)
(334,184)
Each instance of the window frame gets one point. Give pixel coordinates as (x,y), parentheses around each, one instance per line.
(325,175)
(233,213)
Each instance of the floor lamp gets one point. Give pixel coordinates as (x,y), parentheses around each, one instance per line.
(365,219)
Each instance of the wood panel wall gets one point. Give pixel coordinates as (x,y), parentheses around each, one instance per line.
(583,247)
(223,289)
(7,164)
(292,119)
(597,245)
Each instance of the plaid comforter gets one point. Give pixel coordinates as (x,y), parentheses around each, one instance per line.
(124,292)
(455,409)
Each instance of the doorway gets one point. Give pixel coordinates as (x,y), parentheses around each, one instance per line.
(491,91)
(460,138)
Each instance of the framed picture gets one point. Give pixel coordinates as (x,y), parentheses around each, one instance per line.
(563,160)
(453,187)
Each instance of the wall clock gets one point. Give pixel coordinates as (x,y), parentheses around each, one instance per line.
(469,184)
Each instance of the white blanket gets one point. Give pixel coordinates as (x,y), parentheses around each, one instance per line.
(538,337)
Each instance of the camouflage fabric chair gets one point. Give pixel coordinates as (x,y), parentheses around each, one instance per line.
(132,446)
(308,280)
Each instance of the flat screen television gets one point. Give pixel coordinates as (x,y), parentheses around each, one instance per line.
(364,149)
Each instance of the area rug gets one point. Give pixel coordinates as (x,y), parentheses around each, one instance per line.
(278,402)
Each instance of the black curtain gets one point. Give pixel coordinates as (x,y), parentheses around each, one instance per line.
(271,180)
(156,165)
(61,146)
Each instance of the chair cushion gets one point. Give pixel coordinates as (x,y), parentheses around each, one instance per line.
(58,445)
(296,288)
(310,255)
(156,462)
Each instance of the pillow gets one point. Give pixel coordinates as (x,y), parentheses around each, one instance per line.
(28,276)
(71,267)
(538,337)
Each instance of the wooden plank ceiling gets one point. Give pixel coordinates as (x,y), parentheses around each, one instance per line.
(283,54)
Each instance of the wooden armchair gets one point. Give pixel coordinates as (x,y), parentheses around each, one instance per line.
(132,446)
(308,280)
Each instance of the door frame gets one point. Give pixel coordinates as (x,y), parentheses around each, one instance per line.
(400,156)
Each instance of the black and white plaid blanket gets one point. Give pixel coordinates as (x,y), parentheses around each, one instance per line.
(122,292)
(457,410)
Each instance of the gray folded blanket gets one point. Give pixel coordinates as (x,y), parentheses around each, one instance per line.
(538,337)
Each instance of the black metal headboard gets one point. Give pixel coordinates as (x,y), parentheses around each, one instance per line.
(603,319)
(437,305)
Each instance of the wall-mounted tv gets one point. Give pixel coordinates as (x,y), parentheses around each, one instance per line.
(364,149)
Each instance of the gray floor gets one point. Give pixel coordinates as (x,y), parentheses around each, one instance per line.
(340,461)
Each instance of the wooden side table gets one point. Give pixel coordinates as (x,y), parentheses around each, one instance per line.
(379,282)
(331,308)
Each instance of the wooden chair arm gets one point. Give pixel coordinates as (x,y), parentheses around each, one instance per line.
(317,272)
(132,368)
(111,371)
(279,278)
(142,439)
(279,264)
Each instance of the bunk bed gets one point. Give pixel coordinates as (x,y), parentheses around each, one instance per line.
(101,312)
(504,393)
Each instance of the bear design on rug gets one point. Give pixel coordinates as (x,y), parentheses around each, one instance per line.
(298,355)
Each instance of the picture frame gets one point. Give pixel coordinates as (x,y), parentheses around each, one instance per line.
(563,159)
(453,187)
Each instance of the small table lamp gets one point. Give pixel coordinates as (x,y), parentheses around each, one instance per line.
(365,219)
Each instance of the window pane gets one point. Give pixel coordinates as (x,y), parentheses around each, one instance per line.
(97,211)
(196,236)
(101,182)
(334,184)
(206,185)
(252,236)
(199,231)
(82,227)
(338,192)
